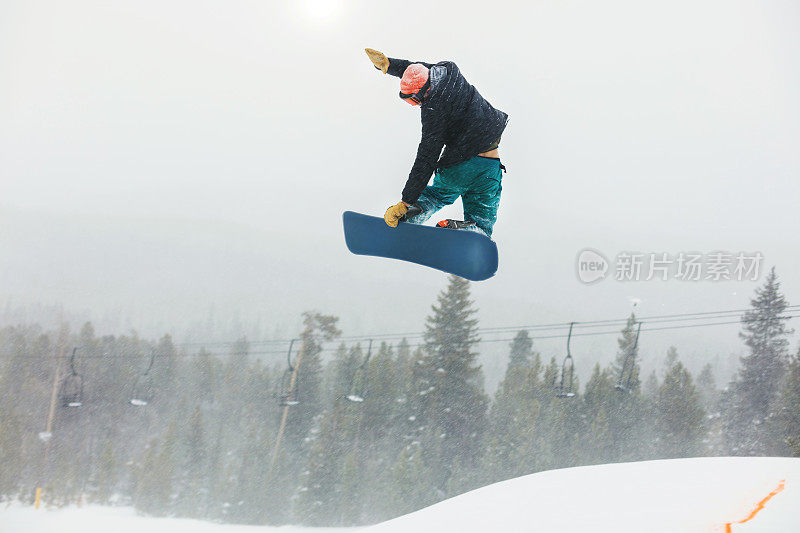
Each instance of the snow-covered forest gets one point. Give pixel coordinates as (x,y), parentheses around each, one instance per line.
(369,433)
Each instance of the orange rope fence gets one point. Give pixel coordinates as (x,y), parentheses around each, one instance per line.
(758,507)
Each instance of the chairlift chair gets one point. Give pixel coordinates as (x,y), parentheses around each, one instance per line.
(357,389)
(290,391)
(564,387)
(71,390)
(143,389)
(628,365)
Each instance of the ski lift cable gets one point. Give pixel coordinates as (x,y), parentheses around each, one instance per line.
(655,318)
(597,333)
(546,326)
(555,325)
(594,323)
(566,325)
(689,317)
(485,341)
(563,336)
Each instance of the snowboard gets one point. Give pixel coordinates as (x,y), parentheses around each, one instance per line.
(466,254)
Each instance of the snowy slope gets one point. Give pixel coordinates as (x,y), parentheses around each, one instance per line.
(683,495)
(95,519)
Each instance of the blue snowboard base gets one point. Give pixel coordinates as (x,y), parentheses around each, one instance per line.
(467,254)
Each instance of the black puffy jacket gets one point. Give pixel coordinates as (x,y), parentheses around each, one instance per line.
(454,116)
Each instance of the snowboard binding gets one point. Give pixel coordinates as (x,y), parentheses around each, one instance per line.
(449,223)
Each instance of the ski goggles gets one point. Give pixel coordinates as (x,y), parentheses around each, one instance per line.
(416,98)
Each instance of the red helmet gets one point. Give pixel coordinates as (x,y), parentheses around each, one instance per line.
(414,83)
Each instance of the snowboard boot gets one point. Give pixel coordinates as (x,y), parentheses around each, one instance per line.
(456,224)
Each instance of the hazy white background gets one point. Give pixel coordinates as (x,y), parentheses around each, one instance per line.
(163,164)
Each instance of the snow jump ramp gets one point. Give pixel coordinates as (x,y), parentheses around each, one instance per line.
(737,494)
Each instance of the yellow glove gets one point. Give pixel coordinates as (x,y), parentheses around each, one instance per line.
(395,213)
(378,59)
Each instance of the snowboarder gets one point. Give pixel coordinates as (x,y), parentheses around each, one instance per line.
(454,116)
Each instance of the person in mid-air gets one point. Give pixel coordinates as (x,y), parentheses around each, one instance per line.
(454,116)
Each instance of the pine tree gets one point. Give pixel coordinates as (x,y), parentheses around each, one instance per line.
(750,395)
(521,351)
(339,372)
(599,400)
(11,451)
(707,388)
(514,414)
(106,476)
(626,365)
(350,488)
(679,415)
(155,476)
(651,386)
(403,351)
(787,417)
(627,409)
(351,438)
(207,371)
(670,359)
(452,406)
(566,427)
(240,353)
(403,363)
(192,497)
(255,500)
(381,391)
(318,329)
(168,366)
(321,497)
(409,419)
(350,376)
(413,481)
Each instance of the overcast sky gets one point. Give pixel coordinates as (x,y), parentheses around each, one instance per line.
(162,159)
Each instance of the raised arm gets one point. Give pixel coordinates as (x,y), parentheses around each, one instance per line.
(390,65)
(398,66)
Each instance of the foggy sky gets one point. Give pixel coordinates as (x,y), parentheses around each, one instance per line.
(163,161)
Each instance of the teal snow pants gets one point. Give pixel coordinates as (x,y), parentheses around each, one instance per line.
(477,181)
